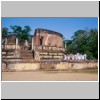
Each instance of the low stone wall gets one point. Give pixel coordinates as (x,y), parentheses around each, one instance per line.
(49,66)
(9,46)
(23,66)
(69,65)
(3,66)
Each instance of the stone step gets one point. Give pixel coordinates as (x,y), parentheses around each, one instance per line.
(26,56)
(25,51)
(7,57)
(7,54)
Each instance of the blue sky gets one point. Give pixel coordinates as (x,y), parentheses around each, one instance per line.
(65,26)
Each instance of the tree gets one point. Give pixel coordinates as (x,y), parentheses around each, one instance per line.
(84,41)
(16,29)
(4,32)
(27,29)
(93,43)
(22,34)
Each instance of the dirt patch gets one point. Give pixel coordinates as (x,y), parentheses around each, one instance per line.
(49,76)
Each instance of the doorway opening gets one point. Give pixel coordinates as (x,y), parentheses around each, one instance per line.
(41,40)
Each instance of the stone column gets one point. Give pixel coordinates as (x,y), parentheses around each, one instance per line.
(5,43)
(85,56)
(32,43)
(26,43)
(16,42)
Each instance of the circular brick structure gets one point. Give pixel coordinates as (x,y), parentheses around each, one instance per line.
(48,38)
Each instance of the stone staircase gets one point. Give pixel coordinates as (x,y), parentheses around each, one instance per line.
(8,54)
(26,54)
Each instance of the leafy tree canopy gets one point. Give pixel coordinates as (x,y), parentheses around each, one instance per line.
(4,32)
(21,33)
(84,41)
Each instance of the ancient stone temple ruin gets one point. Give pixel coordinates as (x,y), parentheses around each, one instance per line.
(45,44)
(44,51)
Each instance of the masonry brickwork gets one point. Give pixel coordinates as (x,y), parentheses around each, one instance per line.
(47,38)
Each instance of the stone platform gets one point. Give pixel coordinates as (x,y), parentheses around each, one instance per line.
(33,65)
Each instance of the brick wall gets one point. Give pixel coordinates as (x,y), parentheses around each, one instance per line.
(48,38)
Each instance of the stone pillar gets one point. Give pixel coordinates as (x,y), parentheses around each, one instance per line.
(5,43)
(26,43)
(37,57)
(85,56)
(16,42)
(32,43)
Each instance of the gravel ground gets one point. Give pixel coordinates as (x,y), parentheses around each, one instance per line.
(49,76)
